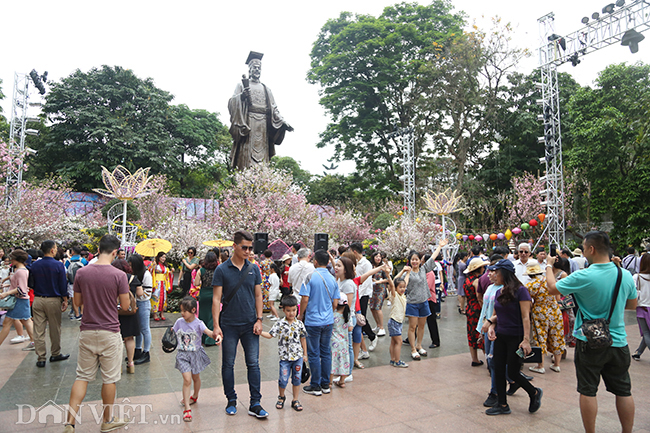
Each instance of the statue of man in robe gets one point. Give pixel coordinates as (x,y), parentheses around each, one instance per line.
(256,125)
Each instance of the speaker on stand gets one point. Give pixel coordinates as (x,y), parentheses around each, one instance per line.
(321,241)
(261,243)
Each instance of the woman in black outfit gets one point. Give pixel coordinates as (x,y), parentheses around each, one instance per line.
(510,330)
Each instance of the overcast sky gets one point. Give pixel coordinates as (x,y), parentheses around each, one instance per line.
(196,49)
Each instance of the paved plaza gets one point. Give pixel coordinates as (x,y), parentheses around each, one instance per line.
(440,393)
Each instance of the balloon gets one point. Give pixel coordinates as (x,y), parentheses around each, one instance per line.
(541,217)
(516,230)
(508,234)
(458,236)
(471,237)
(478,238)
(493,237)
(465,237)
(501,236)
(525,226)
(533,222)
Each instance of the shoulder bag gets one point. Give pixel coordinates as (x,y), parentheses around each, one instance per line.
(8,303)
(597,330)
(133,305)
(226,301)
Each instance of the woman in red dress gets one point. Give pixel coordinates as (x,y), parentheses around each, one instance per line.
(475,269)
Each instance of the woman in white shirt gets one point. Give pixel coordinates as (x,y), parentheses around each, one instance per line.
(642,281)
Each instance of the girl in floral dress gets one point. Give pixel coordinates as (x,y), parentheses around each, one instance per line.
(547,320)
(339,343)
(162,284)
(474,270)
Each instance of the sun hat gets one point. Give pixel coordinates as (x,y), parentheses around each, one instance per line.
(285,257)
(475,263)
(504,264)
(533,269)
(577,252)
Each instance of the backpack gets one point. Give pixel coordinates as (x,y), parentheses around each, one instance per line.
(71,272)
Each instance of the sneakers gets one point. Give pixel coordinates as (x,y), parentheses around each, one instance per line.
(69,428)
(636,357)
(30,346)
(535,401)
(364,355)
(257,411)
(270,316)
(78,318)
(381,332)
(499,410)
(491,401)
(313,390)
(375,329)
(231,407)
(325,389)
(514,386)
(555,369)
(400,364)
(273,318)
(392,363)
(373,344)
(114,424)
(537,370)
(18,339)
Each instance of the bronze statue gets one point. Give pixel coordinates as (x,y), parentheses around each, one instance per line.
(256,125)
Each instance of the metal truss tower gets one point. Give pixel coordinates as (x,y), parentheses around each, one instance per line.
(17,133)
(618,24)
(407,147)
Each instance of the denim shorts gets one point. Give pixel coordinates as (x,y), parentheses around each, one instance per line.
(418,310)
(394,328)
(290,368)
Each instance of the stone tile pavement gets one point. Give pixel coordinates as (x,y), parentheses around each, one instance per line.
(440,393)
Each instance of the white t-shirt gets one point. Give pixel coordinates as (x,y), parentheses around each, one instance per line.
(364,265)
(274,290)
(147,286)
(642,283)
(348,287)
(298,273)
(520,271)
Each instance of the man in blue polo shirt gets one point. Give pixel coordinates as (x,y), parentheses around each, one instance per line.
(319,298)
(241,320)
(47,279)
(593,289)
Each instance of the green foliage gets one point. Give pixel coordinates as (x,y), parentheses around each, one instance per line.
(132,212)
(286,163)
(610,151)
(369,70)
(109,116)
(333,189)
(4,125)
(383,220)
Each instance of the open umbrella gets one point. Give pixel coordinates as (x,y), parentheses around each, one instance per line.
(219,243)
(151,247)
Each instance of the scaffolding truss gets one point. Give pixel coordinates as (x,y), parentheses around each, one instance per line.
(17,133)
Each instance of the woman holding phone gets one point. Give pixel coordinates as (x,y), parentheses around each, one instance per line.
(510,331)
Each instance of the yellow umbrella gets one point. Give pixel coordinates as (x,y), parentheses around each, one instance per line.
(219,243)
(151,247)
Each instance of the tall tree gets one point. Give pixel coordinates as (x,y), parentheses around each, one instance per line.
(464,91)
(610,149)
(108,116)
(370,73)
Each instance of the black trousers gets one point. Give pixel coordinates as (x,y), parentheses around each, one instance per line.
(432,323)
(505,353)
(186,283)
(363,302)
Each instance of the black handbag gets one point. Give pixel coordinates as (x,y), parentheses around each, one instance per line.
(597,330)
(169,340)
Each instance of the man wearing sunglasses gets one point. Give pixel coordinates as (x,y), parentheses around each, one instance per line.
(237,283)
(522,263)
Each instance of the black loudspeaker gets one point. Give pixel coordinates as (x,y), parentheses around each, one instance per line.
(261,243)
(321,241)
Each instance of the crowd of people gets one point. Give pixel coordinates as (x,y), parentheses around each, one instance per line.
(517,308)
